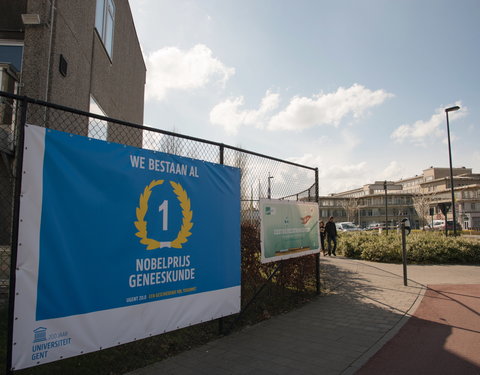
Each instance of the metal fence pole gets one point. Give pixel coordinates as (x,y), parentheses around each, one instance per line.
(317,256)
(386,207)
(220,320)
(20,136)
(222,151)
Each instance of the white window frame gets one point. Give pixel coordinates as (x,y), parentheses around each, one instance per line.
(97,129)
(105,23)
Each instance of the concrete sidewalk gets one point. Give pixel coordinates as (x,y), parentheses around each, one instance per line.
(333,334)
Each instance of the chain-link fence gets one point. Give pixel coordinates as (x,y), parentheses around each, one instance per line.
(8,117)
(261,177)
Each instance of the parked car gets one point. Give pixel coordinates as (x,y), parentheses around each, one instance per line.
(375,226)
(347,226)
(450,226)
(440,225)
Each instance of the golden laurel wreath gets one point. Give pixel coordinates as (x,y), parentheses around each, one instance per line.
(141,211)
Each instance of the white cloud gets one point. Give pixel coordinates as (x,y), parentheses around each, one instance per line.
(420,131)
(301,113)
(350,140)
(173,69)
(340,176)
(230,115)
(393,171)
(336,176)
(453,138)
(327,109)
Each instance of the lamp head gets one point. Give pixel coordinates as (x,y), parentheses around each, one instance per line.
(451,109)
(31,19)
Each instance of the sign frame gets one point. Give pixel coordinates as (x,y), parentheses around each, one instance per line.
(296,234)
(39,336)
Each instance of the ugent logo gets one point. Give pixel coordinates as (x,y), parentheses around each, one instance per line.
(187,214)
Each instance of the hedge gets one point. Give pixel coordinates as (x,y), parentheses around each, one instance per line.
(422,247)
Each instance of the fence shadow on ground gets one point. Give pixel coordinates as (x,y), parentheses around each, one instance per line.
(329,334)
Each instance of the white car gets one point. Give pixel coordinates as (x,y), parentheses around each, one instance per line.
(374,226)
(347,226)
(436,225)
(440,225)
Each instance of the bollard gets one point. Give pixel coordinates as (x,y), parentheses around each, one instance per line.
(404,254)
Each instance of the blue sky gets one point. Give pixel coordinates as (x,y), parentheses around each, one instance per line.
(355,88)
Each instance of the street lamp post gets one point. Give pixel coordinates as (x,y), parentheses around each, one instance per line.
(386,206)
(269,186)
(451,109)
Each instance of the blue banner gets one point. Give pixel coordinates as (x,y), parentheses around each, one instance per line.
(122,226)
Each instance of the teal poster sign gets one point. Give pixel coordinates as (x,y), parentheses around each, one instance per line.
(288,229)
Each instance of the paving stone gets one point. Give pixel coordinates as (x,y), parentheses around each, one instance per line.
(333,334)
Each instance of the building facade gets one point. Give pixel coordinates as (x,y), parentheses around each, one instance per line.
(437,189)
(79,54)
(417,198)
(370,205)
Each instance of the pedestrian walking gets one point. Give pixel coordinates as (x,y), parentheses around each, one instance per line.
(322,237)
(331,230)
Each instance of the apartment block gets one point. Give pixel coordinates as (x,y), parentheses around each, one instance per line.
(417,198)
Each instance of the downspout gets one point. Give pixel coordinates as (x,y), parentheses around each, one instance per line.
(50,44)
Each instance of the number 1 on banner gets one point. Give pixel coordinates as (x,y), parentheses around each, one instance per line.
(164,207)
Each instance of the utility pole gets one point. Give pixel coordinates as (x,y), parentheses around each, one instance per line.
(269,186)
(386,205)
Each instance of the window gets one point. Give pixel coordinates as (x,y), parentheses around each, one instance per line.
(11,52)
(105,22)
(8,83)
(97,128)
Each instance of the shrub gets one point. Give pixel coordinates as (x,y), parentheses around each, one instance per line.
(422,247)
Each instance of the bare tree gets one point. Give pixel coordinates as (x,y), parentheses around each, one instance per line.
(350,205)
(421,203)
(171,144)
(240,161)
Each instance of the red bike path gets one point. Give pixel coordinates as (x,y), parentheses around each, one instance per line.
(442,336)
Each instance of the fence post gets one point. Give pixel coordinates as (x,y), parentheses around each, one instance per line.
(222,148)
(404,254)
(220,320)
(20,138)
(317,256)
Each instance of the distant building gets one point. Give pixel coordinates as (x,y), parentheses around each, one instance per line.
(366,205)
(415,198)
(437,187)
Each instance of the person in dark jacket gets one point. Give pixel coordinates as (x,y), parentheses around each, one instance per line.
(331,230)
(322,237)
